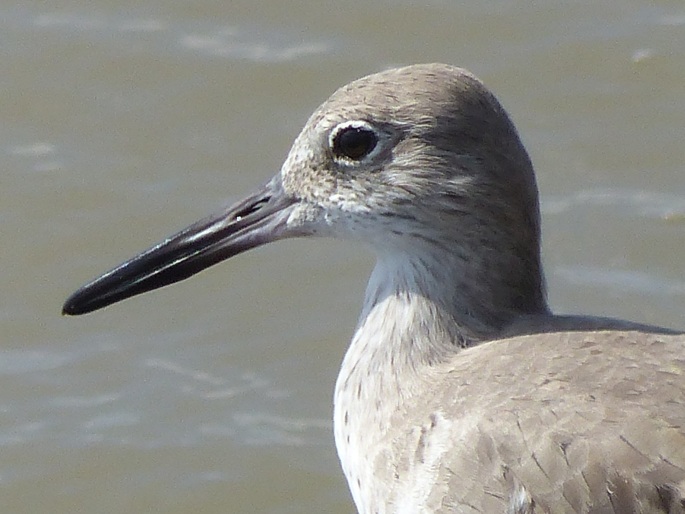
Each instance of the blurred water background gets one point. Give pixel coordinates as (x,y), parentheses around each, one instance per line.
(121,122)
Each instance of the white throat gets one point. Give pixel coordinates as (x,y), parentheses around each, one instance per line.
(390,356)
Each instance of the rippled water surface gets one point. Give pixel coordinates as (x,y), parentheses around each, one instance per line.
(123,122)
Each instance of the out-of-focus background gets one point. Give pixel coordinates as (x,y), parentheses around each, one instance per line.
(121,122)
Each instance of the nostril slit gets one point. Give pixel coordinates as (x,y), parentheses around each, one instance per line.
(250,209)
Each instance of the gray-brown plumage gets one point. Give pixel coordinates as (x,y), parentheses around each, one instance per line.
(460,391)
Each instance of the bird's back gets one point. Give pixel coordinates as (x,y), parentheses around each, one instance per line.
(568,422)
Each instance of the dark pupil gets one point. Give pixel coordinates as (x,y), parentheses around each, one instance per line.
(354,142)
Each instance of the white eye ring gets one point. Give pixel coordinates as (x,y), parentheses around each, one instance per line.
(353,142)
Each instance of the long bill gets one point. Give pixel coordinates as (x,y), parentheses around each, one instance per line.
(258,219)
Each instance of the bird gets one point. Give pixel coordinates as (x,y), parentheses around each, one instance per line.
(461,391)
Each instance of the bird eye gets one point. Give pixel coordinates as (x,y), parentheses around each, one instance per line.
(354,141)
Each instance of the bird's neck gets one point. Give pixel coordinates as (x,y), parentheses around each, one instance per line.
(418,312)
(427,305)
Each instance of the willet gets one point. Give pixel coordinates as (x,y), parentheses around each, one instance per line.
(460,391)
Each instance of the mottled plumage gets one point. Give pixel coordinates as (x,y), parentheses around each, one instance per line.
(460,391)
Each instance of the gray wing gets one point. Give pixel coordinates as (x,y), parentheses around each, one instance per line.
(585,422)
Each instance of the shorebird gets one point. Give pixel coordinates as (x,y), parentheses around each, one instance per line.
(460,391)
